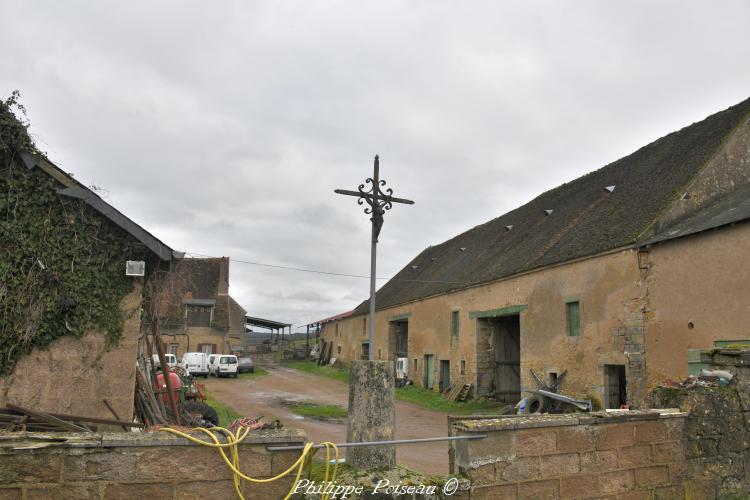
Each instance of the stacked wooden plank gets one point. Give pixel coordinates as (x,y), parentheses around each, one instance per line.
(457,390)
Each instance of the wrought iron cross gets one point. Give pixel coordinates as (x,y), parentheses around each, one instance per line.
(378,202)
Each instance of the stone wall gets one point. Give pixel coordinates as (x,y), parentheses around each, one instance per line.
(717,430)
(129,465)
(637,455)
(700,451)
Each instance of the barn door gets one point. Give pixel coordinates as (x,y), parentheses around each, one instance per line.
(507,336)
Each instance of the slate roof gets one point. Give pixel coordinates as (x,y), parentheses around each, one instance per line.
(202,277)
(586,220)
(729,208)
(74,189)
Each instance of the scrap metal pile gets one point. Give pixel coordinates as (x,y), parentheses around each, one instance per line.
(16,418)
(546,399)
(152,405)
(706,378)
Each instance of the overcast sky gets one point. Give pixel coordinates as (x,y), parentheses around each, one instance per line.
(223,127)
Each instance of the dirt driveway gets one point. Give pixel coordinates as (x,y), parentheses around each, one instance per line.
(263,396)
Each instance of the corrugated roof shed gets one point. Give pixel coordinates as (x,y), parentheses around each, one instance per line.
(587,218)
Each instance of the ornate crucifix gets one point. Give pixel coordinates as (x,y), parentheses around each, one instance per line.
(378,202)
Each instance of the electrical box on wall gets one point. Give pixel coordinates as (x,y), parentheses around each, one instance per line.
(135,268)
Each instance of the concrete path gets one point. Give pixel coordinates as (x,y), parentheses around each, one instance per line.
(264,396)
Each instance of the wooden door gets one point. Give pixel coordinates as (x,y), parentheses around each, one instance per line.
(445,374)
(429,367)
(507,334)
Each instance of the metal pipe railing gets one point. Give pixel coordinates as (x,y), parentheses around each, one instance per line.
(379,443)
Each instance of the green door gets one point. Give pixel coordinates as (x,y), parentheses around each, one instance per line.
(445,374)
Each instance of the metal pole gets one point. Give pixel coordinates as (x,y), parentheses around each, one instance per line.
(379,443)
(373,258)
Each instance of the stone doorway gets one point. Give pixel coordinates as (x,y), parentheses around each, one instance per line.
(499,358)
(398,339)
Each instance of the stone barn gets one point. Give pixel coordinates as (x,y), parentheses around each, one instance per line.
(70,318)
(611,277)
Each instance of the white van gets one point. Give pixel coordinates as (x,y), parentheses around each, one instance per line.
(195,363)
(223,365)
(171,360)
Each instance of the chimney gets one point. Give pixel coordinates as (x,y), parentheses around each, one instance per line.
(224,276)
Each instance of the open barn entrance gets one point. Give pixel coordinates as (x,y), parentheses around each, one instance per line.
(398,339)
(499,358)
(616,386)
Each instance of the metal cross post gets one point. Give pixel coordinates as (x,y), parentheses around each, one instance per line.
(378,202)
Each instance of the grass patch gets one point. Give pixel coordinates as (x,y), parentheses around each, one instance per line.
(323,371)
(226,413)
(318,412)
(435,401)
(259,372)
(411,394)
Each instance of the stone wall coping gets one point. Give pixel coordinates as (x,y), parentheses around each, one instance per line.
(512,422)
(13,442)
(725,357)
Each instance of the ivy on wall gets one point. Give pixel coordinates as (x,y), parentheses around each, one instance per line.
(62,264)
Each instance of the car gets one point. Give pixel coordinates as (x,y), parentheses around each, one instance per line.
(223,365)
(245,365)
(171,360)
(195,363)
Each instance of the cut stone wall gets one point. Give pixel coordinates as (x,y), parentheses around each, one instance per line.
(700,451)
(129,465)
(570,456)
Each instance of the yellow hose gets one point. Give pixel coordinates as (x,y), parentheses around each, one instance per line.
(234,439)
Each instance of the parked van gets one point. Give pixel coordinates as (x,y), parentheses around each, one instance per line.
(196,363)
(171,360)
(223,365)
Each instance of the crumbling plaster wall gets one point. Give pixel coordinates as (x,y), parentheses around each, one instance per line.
(698,292)
(607,286)
(74,375)
(344,333)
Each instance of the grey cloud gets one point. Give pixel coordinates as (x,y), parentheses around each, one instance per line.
(225,128)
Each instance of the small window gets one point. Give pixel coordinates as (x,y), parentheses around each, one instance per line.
(173,348)
(574,319)
(454,324)
(379,353)
(415,364)
(463,367)
(207,348)
(338,349)
(337,329)
(364,326)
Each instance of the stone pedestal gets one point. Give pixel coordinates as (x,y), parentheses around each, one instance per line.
(372,414)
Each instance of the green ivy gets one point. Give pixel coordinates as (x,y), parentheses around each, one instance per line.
(62,264)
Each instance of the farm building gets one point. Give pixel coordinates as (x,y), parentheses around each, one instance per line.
(70,317)
(611,277)
(203,316)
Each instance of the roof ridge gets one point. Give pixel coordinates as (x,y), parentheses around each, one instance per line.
(696,175)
